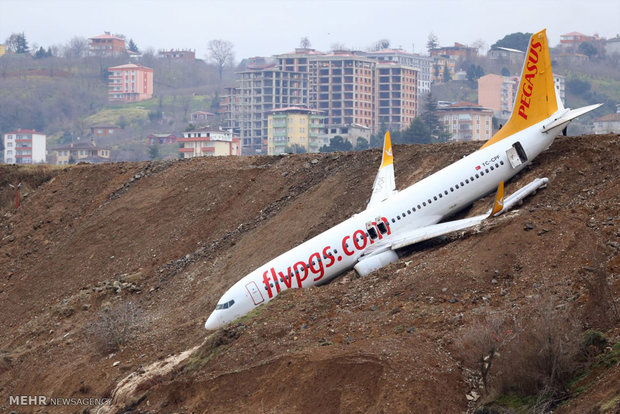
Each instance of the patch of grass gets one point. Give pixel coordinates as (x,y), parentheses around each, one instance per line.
(254,313)
(609,404)
(112,116)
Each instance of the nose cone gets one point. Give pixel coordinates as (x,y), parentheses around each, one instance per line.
(213,322)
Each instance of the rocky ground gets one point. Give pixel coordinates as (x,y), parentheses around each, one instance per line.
(107,274)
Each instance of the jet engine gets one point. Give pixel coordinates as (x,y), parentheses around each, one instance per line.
(375,261)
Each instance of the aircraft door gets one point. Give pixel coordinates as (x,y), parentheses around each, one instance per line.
(516,155)
(257,297)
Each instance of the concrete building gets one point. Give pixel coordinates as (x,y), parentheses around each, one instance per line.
(440,63)
(559,82)
(346,90)
(103,130)
(130,83)
(504,54)
(178,54)
(458,51)
(498,93)
(257,93)
(81,151)
(106,45)
(423,64)
(294,126)
(201,117)
(24,146)
(467,121)
(2,50)
(612,46)
(572,40)
(396,95)
(161,139)
(608,124)
(208,143)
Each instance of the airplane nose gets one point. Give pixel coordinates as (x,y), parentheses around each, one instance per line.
(213,322)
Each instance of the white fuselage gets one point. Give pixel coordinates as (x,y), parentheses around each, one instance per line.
(338,249)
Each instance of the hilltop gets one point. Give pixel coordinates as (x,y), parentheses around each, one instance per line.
(108,273)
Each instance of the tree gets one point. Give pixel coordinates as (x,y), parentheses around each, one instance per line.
(133,47)
(474,72)
(505,72)
(446,74)
(76,48)
(380,44)
(518,41)
(221,52)
(338,46)
(480,45)
(416,133)
(588,49)
(154,152)
(432,42)
(431,120)
(337,143)
(361,144)
(17,43)
(295,149)
(304,43)
(42,53)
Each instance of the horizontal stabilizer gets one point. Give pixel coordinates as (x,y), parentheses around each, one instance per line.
(569,116)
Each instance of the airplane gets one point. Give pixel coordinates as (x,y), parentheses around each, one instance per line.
(394,219)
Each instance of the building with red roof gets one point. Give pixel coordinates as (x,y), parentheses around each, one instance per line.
(130,83)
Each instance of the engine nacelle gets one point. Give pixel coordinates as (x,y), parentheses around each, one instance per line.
(376,261)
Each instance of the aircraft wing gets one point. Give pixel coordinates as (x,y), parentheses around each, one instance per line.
(384,185)
(418,235)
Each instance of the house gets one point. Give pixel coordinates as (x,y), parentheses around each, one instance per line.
(293,126)
(178,54)
(2,50)
(467,121)
(441,66)
(458,51)
(106,45)
(81,151)
(573,39)
(161,139)
(505,54)
(210,143)
(612,46)
(609,123)
(103,130)
(130,83)
(201,117)
(24,146)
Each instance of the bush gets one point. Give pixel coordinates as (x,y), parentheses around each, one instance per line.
(114,327)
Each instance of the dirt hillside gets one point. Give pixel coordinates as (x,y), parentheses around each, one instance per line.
(108,272)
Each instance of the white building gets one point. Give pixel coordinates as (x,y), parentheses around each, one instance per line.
(24,147)
(206,142)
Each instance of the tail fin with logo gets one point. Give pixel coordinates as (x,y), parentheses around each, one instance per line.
(536,97)
(384,185)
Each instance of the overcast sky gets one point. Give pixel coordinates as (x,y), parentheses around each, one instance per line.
(267,27)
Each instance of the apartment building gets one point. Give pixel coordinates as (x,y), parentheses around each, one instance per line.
(24,146)
(467,121)
(178,54)
(344,86)
(257,93)
(294,126)
(130,83)
(423,64)
(498,93)
(441,66)
(505,54)
(458,51)
(208,143)
(396,95)
(106,45)
(82,151)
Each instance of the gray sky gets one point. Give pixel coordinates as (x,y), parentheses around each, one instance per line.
(267,27)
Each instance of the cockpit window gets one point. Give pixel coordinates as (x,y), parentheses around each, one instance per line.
(225,305)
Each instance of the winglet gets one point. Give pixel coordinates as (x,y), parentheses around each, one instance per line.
(498,206)
(388,157)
